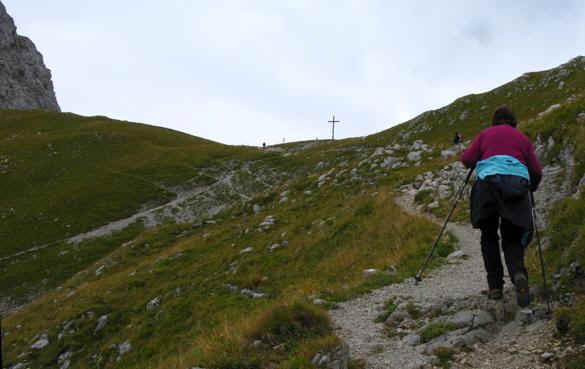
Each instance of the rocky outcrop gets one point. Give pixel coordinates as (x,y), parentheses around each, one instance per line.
(25,82)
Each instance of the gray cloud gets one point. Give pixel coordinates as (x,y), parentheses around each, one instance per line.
(244,72)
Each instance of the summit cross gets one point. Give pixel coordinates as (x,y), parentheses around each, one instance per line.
(333,121)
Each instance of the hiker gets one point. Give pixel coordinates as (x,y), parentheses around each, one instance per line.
(457,139)
(507,169)
(263,145)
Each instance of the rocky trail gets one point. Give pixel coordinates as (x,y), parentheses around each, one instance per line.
(447,318)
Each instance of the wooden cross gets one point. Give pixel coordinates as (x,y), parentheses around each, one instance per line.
(333,121)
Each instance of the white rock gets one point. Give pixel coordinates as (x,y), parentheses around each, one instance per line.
(253,294)
(100,270)
(370,272)
(412,339)
(321,165)
(445,154)
(547,356)
(414,155)
(247,250)
(550,109)
(124,347)
(153,304)
(389,161)
(444,191)
(256,208)
(525,316)
(101,324)
(273,247)
(41,342)
(379,151)
(316,359)
(456,255)
(433,205)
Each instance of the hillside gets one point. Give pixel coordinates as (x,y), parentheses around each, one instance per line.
(292,232)
(63,175)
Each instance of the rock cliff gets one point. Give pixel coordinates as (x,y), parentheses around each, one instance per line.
(25,82)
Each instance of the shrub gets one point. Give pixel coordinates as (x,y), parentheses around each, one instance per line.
(423,196)
(366,209)
(389,308)
(434,330)
(290,323)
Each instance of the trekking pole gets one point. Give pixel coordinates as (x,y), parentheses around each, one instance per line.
(419,275)
(1,362)
(544,284)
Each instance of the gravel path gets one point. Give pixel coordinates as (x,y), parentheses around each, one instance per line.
(512,346)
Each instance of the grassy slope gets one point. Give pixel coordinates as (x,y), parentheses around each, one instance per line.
(333,235)
(67,174)
(62,174)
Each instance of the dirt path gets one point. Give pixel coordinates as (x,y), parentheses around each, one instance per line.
(511,343)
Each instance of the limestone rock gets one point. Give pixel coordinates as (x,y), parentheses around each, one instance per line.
(370,272)
(64,360)
(25,82)
(337,358)
(445,154)
(41,342)
(101,324)
(153,304)
(433,205)
(456,255)
(414,155)
(124,348)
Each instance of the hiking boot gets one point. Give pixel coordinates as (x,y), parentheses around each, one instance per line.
(522,290)
(495,294)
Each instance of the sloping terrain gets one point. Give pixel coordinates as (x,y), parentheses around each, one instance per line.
(295,230)
(64,175)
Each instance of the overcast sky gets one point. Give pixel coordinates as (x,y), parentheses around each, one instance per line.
(244,72)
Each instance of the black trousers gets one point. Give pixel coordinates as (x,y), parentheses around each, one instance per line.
(511,245)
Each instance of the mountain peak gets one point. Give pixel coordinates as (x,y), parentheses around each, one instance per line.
(25,81)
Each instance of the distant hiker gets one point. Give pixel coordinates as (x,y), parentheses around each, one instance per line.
(507,168)
(457,139)
(263,145)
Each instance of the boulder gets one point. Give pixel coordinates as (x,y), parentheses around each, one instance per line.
(153,304)
(456,255)
(370,272)
(41,342)
(414,155)
(101,324)
(446,154)
(336,358)
(124,347)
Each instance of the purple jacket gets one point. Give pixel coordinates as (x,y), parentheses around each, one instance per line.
(504,139)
